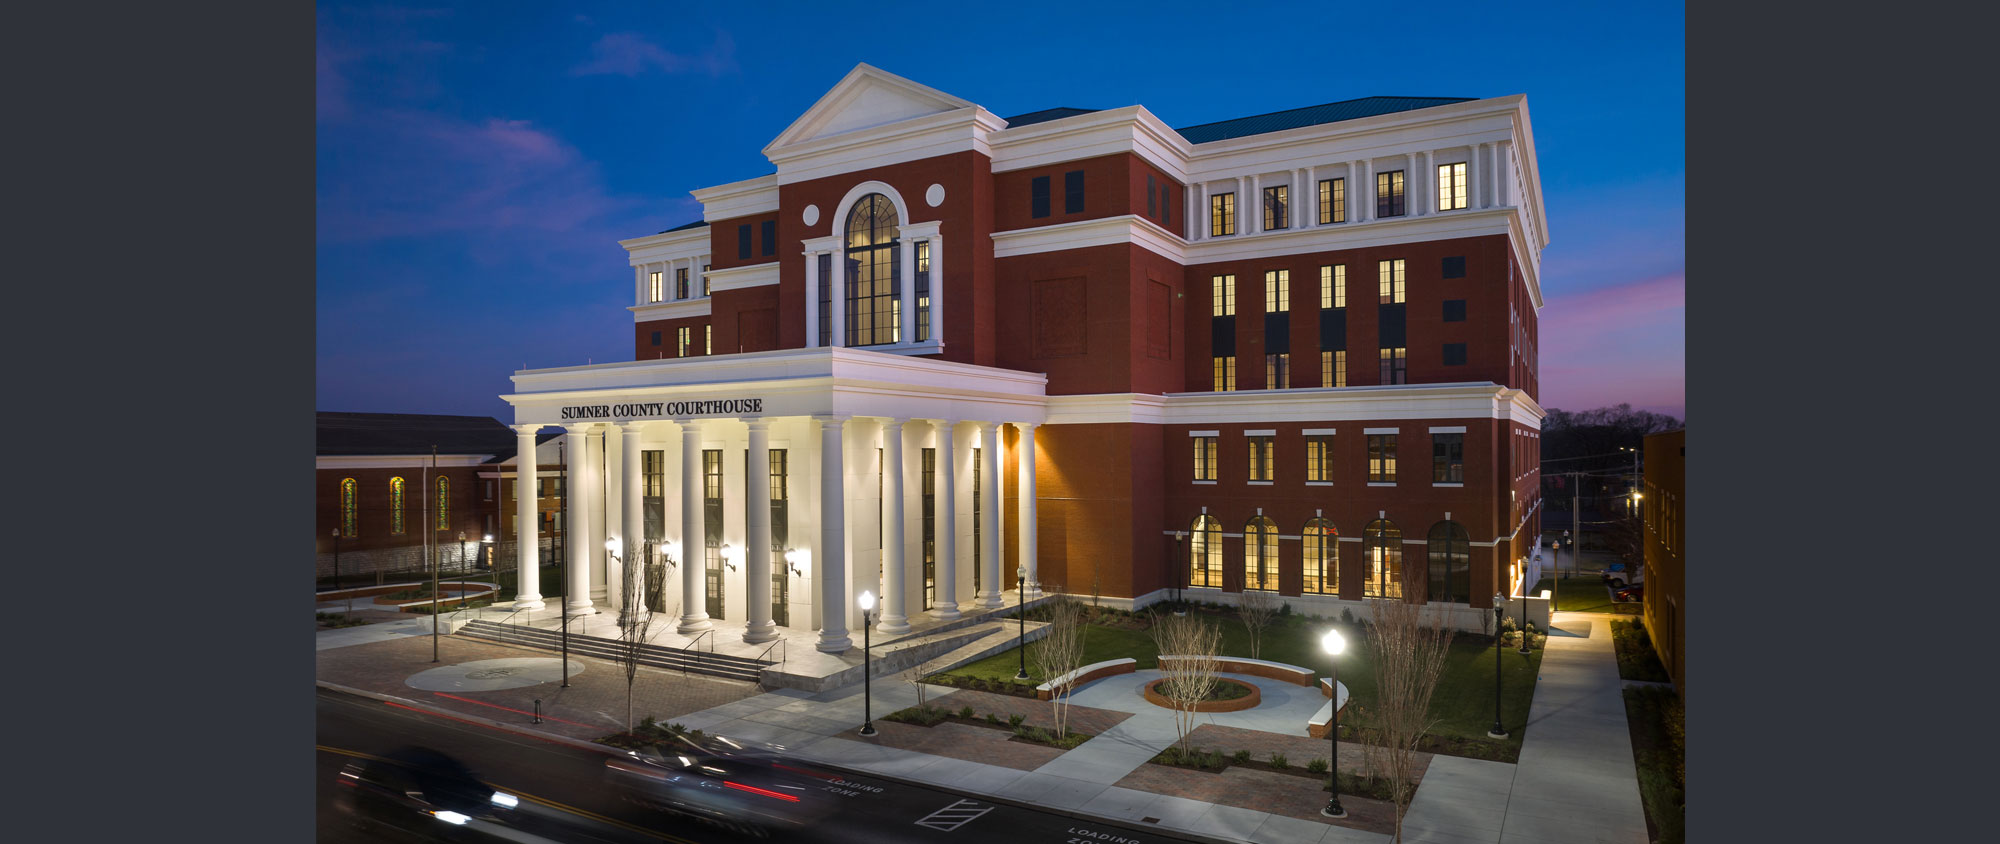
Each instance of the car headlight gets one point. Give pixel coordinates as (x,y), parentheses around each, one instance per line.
(501,798)
(451,817)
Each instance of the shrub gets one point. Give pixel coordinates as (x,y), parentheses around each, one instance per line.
(1242,757)
(1346,616)
(1015,720)
(1507,624)
(1317,766)
(966,713)
(1212,759)
(992,718)
(1279,761)
(1284,609)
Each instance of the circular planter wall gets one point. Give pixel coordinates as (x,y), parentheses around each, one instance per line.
(1248,701)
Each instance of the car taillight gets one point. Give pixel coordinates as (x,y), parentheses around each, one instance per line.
(764,791)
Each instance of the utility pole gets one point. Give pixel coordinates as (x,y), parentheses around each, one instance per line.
(429,536)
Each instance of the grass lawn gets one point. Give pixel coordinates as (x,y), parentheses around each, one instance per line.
(1659,747)
(1585,594)
(1463,702)
(1636,659)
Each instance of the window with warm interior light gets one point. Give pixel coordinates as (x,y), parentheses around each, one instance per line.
(1222,214)
(1451,186)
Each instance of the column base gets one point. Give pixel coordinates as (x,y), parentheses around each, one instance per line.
(834,642)
(757,635)
(990,600)
(581,606)
(945,612)
(528,602)
(694,624)
(893,624)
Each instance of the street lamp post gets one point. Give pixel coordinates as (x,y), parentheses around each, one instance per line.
(1333,644)
(1524,617)
(336,570)
(1497,731)
(867,602)
(1182,563)
(1021,590)
(1555,583)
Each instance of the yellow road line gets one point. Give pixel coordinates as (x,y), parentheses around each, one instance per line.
(561,807)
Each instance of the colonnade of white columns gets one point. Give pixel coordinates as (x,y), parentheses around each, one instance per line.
(587,501)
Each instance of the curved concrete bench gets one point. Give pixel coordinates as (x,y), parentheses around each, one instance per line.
(1316,727)
(1093,671)
(1258,668)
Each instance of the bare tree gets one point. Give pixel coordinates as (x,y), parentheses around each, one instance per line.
(915,677)
(1188,647)
(1060,653)
(1256,608)
(1410,643)
(635,627)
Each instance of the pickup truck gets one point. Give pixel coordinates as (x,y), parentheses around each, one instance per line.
(1616,577)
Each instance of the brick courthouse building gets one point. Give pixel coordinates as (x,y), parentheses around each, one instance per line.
(938,348)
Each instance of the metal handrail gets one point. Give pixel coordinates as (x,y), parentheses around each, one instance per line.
(696,641)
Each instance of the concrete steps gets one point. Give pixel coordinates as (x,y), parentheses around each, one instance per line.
(675,659)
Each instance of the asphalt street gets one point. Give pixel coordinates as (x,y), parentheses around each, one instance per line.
(563,791)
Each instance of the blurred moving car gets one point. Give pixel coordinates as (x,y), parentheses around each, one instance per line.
(752,790)
(1630,594)
(421,794)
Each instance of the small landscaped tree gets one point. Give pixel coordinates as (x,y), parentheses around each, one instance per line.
(635,627)
(1256,608)
(1410,644)
(1060,653)
(1188,647)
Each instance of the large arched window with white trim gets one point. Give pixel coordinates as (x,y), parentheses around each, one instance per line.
(350,507)
(1450,549)
(873,295)
(1205,553)
(1322,558)
(1384,542)
(1260,554)
(396,506)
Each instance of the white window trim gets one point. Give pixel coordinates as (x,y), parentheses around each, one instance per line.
(1264,433)
(1260,483)
(1435,484)
(1318,432)
(1319,483)
(1381,483)
(1448,429)
(1381,430)
(1204,433)
(1203,483)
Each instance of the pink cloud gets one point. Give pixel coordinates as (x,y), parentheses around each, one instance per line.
(1621,343)
(630,54)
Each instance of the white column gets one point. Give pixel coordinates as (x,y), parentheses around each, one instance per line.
(633,535)
(526,520)
(906,288)
(937,288)
(836,299)
(1027,494)
(1411,206)
(1305,200)
(694,541)
(1242,225)
(895,618)
(1361,193)
(1256,206)
(1197,220)
(989,514)
(830,559)
(945,605)
(757,521)
(577,487)
(812,300)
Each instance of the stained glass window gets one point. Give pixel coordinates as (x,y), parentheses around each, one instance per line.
(350,507)
(444,503)
(396,506)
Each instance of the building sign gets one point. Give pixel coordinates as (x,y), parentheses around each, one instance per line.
(657,410)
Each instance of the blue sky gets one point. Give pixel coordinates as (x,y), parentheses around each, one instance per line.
(476,163)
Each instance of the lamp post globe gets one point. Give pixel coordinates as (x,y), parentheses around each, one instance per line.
(1498,731)
(867,603)
(1021,589)
(1333,644)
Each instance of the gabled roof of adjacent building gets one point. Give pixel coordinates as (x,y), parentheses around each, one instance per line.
(685,226)
(1046,115)
(1294,118)
(410,433)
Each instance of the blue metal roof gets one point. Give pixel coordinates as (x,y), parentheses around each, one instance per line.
(1046,115)
(686,226)
(1279,121)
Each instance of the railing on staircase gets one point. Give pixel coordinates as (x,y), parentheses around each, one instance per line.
(697,640)
(762,657)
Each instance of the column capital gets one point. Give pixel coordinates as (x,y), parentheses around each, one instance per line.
(1027,426)
(984,427)
(527,430)
(580,429)
(830,418)
(758,424)
(634,427)
(889,422)
(944,424)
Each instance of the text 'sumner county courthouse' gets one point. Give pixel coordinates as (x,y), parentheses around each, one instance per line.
(940,348)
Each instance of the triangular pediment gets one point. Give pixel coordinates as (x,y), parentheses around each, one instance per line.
(865,98)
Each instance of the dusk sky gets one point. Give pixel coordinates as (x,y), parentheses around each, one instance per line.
(477,163)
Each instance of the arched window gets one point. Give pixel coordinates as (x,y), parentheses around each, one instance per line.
(1205,553)
(1322,557)
(1260,554)
(1384,542)
(350,507)
(873,273)
(396,506)
(1451,564)
(444,503)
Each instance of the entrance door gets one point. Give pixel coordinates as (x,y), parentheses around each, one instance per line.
(781,595)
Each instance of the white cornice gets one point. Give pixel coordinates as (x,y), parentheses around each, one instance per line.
(698,234)
(397,461)
(739,199)
(739,278)
(1082,234)
(1468,400)
(1130,129)
(669,310)
(840,111)
(909,140)
(1338,236)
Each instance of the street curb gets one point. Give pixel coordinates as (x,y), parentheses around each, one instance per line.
(558,739)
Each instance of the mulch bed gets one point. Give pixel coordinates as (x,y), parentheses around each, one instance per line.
(958,740)
(1036,713)
(1262,791)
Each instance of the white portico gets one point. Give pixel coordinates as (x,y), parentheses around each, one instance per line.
(779,485)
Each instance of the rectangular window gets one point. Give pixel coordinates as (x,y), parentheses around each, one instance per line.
(770,233)
(1274,207)
(681,341)
(1225,373)
(1205,454)
(1073,192)
(977,502)
(708,339)
(656,338)
(923,283)
(743,241)
(704,279)
(1222,215)
(1448,458)
(711,485)
(1166,206)
(1389,194)
(1263,463)
(1393,371)
(1332,201)
(1223,294)
(1038,197)
(1454,267)
(1277,371)
(1382,458)
(1319,459)
(652,493)
(1152,200)
(1333,368)
(657,289)
(929,534)
(1454,354)
(1454,310)
(681,283)
(1333,286)
(1391,273)
(1277,291)
(1451,186)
